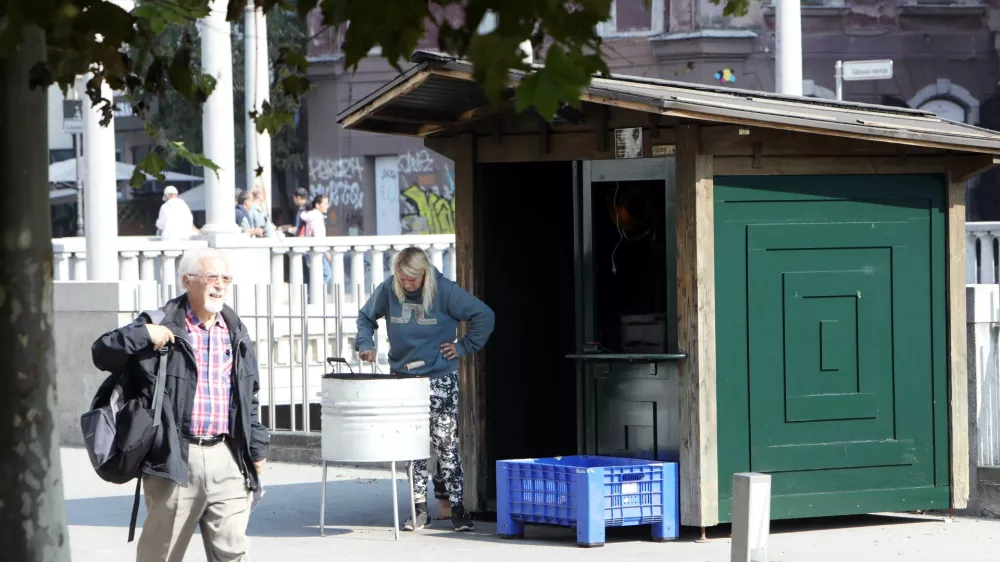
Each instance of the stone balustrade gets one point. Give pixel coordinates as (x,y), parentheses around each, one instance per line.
(357,262)
(980,252)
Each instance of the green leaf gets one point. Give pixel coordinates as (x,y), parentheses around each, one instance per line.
(234,9)
(180,73)
(303,7)
(295,86)
(194,158)
(295,60)
(151,164)
(273,121)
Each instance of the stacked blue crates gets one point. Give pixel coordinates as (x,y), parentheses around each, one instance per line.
(589,493)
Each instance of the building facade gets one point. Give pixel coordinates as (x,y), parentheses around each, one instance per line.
(944,53)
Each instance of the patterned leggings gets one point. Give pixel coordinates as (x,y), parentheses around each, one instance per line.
(444,440)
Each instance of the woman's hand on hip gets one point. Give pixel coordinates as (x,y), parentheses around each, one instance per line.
(449,351)
(367,355)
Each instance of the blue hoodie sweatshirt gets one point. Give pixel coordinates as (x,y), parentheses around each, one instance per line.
(416,336)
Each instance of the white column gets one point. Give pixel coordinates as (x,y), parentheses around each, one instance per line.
(378,264)
(79,266)
(128,266)
(168,277)
(337,277)
(147,266)
(788,47)
(61,266)
(256,74)
(218,131)
(751,517)
(100,191)
(358,273)
(317,290)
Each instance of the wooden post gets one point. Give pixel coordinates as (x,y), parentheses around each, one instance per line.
(699,486)
(958,382)
(472,404)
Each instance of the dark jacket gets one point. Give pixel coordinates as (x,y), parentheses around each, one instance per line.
(129,348)
(241,213)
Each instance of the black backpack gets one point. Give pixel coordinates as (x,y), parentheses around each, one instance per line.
(118,430)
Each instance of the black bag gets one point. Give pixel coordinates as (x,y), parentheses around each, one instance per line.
(118,431)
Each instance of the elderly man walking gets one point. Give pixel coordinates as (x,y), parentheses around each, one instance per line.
(205,462)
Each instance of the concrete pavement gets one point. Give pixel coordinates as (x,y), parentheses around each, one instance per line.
(285,528)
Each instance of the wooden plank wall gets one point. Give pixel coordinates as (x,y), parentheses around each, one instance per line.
(699,466)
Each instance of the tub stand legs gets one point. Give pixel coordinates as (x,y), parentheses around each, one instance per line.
(322,502)
(395,499)
(395,502)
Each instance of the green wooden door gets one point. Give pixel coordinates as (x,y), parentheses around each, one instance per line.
(830,327)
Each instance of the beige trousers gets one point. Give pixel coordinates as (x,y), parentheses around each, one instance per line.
(216,499)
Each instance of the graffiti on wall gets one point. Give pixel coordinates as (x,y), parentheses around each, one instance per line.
(340,179)
(427,186)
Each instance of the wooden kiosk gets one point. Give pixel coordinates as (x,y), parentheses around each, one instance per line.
(778,284)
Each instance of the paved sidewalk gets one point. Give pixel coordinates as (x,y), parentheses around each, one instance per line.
(285,528)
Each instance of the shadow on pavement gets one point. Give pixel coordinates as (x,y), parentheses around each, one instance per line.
(292,510)
(287,510)
(549,535)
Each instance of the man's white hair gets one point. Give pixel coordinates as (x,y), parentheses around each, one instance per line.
(192,263)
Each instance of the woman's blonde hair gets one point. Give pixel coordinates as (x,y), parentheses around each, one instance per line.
(413,262)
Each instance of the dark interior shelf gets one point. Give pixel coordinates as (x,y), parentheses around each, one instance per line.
(630,357)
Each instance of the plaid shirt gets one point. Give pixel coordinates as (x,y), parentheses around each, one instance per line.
(213,351)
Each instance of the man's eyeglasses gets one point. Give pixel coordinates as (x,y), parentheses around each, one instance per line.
(214,278)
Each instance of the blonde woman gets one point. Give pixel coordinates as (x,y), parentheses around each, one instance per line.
(424,309)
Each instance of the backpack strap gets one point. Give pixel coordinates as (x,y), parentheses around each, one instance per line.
(135,510)
(161,381)
(154,316)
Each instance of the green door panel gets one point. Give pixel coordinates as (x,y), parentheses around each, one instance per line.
(829,337)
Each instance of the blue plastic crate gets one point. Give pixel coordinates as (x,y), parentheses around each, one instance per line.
(589,493)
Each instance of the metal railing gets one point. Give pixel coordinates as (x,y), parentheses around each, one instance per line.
(988,396)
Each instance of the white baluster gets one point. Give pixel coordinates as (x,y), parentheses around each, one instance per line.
(168,275)
(338,270)
(452,262)
(437,256)
(80,266)
(971,262)
(358,272)
(987,269)
(295,277)
(317,290)
(61,266)
(128,266)
(378,264)
(147,265)
(392,258)
(278,274)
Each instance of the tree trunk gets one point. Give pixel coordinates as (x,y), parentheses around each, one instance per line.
(32,513)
